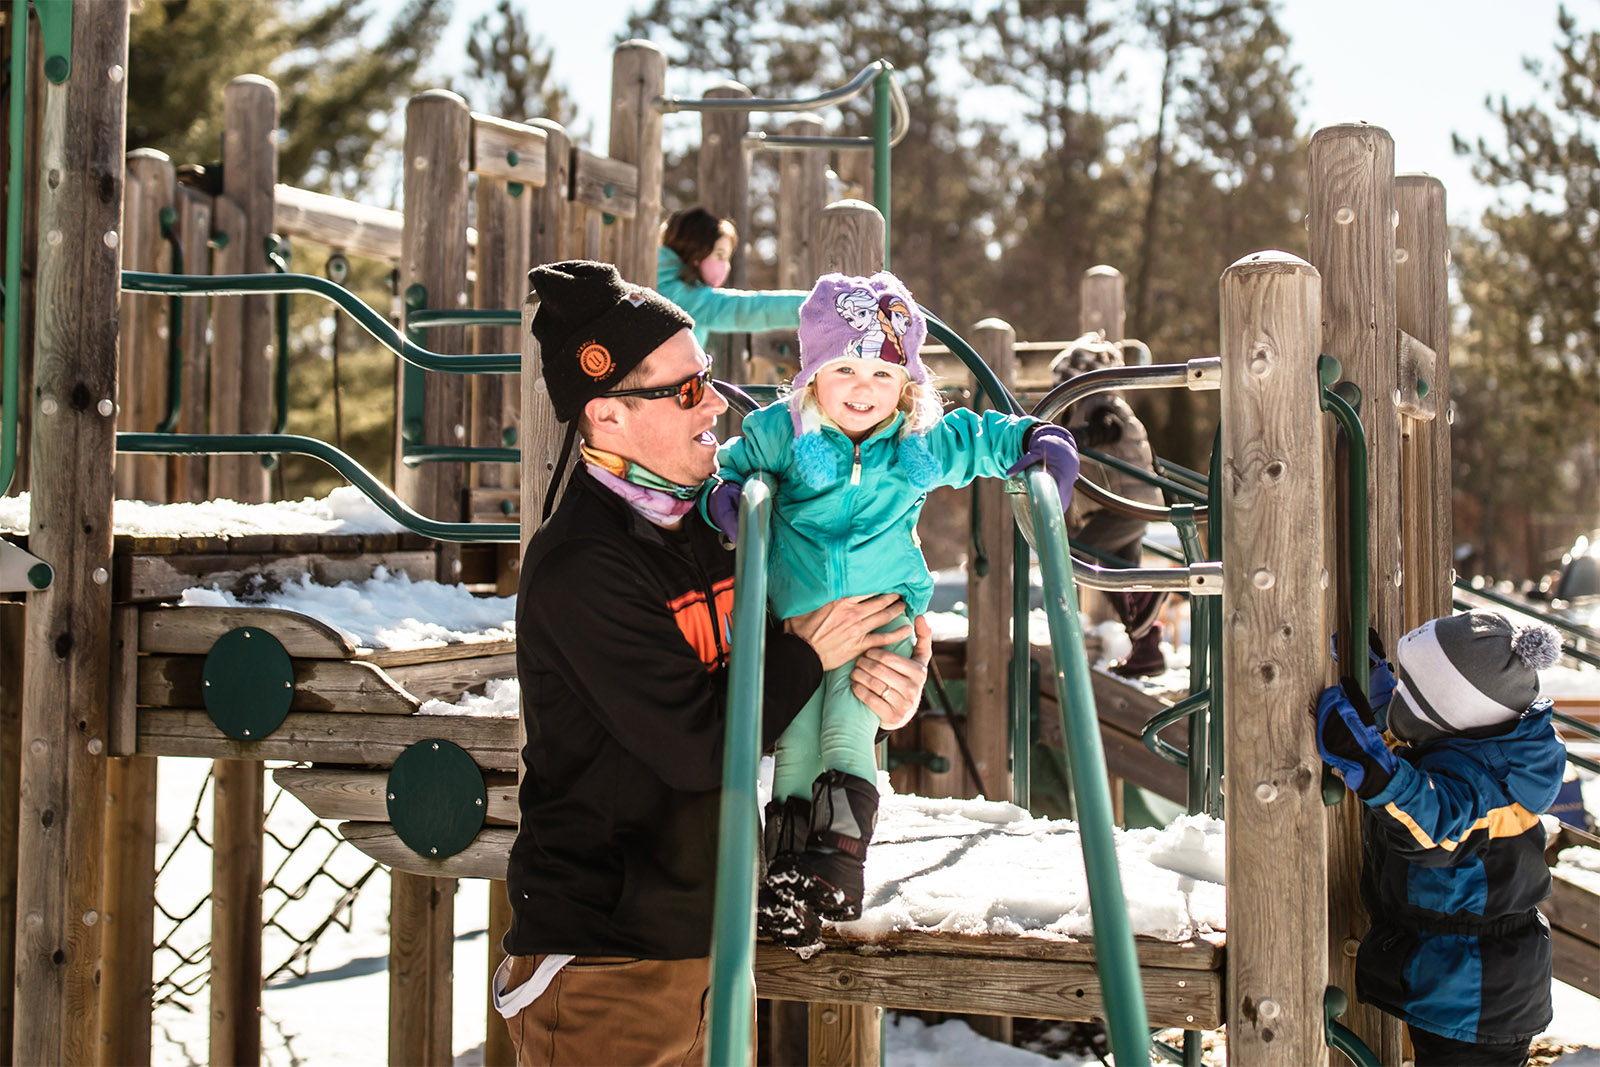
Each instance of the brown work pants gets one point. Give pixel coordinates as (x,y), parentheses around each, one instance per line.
(613,1011)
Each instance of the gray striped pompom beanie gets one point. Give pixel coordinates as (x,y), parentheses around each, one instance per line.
(1470,675)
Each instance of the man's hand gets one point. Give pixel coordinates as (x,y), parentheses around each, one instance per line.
(891,684)
(842,630)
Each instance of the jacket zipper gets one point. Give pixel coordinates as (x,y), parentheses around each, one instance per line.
(855,468)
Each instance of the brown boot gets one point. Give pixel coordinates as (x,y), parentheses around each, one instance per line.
(1145,658)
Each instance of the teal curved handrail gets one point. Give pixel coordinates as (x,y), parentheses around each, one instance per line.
(733,924)
(381,329)
(353,472)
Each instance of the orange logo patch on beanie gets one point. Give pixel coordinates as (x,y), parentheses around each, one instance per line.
(595,360)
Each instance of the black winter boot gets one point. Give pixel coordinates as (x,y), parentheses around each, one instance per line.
(780,913)
(844,811)
(1145,659)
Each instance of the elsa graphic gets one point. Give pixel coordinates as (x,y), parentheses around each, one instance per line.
(859,308)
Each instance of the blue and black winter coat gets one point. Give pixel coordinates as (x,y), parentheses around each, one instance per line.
(1454,868)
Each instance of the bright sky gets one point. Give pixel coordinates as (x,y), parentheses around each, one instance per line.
(1419,68)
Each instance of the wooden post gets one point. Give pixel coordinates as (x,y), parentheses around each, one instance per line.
(638,77)
(1275,660)
(236,878)
(850,239)
(1352,245)
(802,192)
(66,688)
(421,942)
(724,183)
(126,968)
(188,482)
(433,275)
(143,360)
(1422,309)
(505,224)
(241,385)
(497,1048)
(547,235)
(989,596)
(12,622)
(1101,305)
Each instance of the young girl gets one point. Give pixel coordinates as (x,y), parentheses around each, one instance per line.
(853,450)
(696,249)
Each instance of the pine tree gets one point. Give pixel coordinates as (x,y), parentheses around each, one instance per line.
(338,83)
(511,69)
(1527,378)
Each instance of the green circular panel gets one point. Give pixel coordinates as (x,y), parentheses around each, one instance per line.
(436,798)
(247,683)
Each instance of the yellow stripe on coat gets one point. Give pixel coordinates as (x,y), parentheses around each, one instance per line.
(1509,821)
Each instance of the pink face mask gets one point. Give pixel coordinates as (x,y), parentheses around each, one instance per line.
(714,271)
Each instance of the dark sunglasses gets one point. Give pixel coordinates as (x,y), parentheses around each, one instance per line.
(689,392)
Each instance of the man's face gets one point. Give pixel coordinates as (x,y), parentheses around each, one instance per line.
(677,443)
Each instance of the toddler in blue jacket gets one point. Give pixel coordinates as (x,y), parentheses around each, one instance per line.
(1453,847)
(853,451)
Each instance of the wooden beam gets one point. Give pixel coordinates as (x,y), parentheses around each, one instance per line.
(605,185)
(1352,242)
(327,685)
(421,942)
(510,151)
(498,1051)
(1272,462)
(193,630)
(638,78)
(484,858)
(12,625)
(550,202)
(1101,303)
(238,820)
(343,225)
(323,738)
(723,188)
(126,974)
(1030,988)
(353,794)
(142,401)
(190,480)
(62,777)
(164,577)
(989,595)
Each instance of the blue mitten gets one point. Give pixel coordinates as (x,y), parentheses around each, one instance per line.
(1380,683)
(1055,448)
(1349,743)
(722,508)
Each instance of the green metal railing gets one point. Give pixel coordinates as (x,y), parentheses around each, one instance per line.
(733,925)
(355,473)
(381,329)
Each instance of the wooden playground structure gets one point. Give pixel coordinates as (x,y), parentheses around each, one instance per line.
(113,678)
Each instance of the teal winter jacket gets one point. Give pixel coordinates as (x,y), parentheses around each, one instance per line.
(844,516)
(726,310)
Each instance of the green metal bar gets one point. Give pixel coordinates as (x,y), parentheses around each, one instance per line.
(1182,492)
(1115,960)
(1200,752)
(169,230)
(1571,629)
(354,473)
(428,318)
(1179,472)
(1212,649)
(1021,689)
(379,327)
(10,371)
(1334,1002)
(416,454)
(733,931)
(1189,705)
(997,393)
(278,256)
(882,87)
(1356,439)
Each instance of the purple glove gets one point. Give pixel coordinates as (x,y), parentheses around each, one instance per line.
(1055,448)
(722,508)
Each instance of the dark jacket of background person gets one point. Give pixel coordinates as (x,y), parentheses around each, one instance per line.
(622,650)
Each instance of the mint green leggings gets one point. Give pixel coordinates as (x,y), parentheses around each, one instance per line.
(833,732)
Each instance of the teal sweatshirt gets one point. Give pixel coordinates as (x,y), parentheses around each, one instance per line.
(726,310)
(844,516)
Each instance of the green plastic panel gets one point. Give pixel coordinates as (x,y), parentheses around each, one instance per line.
(247,683)
(437,799)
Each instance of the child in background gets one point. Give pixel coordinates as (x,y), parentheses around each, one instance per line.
(1454,850)
(854,451)
(693,263)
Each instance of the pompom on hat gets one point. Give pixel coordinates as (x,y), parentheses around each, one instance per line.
(871,319)
(1470,675)
(593,328)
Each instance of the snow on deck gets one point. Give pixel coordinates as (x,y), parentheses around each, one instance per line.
(345,510)
(1580,866)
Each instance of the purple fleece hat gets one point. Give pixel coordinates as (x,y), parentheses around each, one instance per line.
(861,318)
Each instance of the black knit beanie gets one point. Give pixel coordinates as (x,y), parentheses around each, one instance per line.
(593,328)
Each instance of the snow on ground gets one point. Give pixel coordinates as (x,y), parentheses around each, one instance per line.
(343,511)
(388,610)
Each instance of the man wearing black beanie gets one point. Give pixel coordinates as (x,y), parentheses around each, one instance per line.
(623,621)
